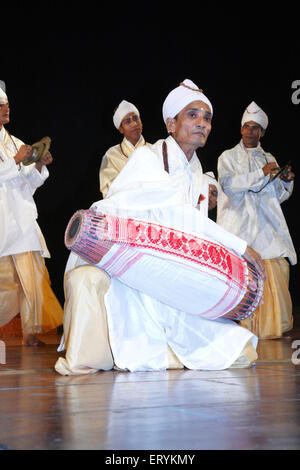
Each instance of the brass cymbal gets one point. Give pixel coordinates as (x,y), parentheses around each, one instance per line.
(39,149)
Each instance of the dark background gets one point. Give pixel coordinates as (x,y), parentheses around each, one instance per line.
(67,66)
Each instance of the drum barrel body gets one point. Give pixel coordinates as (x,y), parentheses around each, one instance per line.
(87,236)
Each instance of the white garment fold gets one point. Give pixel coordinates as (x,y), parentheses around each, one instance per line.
(141,327)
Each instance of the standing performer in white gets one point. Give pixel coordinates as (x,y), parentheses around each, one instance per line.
(109,323)
(253,212)
(25,286)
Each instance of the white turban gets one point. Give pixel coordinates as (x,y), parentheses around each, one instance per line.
(256,114)
(2,85)
(180,97)
(3,97)
(122,110)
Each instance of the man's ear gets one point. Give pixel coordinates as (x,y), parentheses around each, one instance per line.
(171,125)
(263,131)
(121,130)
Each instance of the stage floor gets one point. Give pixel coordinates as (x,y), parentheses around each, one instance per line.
(256,408)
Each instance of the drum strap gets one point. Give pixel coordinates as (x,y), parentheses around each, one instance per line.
(165,155)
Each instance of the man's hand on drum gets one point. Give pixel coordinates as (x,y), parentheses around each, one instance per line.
(253,257)
(46,160)
(24,152)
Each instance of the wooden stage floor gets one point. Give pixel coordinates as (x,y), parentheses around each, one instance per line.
(256,408)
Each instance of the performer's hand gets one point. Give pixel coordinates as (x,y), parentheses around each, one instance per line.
(287,175)
(212,196)
(253,257)
(271,169)
(46,160)
(24,152)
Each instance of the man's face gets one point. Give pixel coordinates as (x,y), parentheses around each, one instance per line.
(192,125)
(131,127)
(4,114)
(251,134)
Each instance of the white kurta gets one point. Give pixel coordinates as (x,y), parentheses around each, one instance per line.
(114,161)
(140,326)
(255,217)
(19,231)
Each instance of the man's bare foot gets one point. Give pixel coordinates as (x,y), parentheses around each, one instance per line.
(31,340)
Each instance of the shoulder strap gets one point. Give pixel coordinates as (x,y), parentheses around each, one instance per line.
(165,155)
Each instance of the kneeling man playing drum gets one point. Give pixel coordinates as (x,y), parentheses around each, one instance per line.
(152,283)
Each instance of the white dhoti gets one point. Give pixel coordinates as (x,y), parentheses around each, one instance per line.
(25,288)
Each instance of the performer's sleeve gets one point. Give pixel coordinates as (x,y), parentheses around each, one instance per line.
(188,219)
(34,178)
(222,236)
(283,189)
(8,170)
(107,174)
(233,181)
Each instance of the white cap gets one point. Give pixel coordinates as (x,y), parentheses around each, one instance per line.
(3,97)
(180,97)
(3,86)
(256,114)
(122,110)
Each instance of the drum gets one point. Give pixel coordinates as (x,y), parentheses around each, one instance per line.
(91,235)
(251,299)
(83,235)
